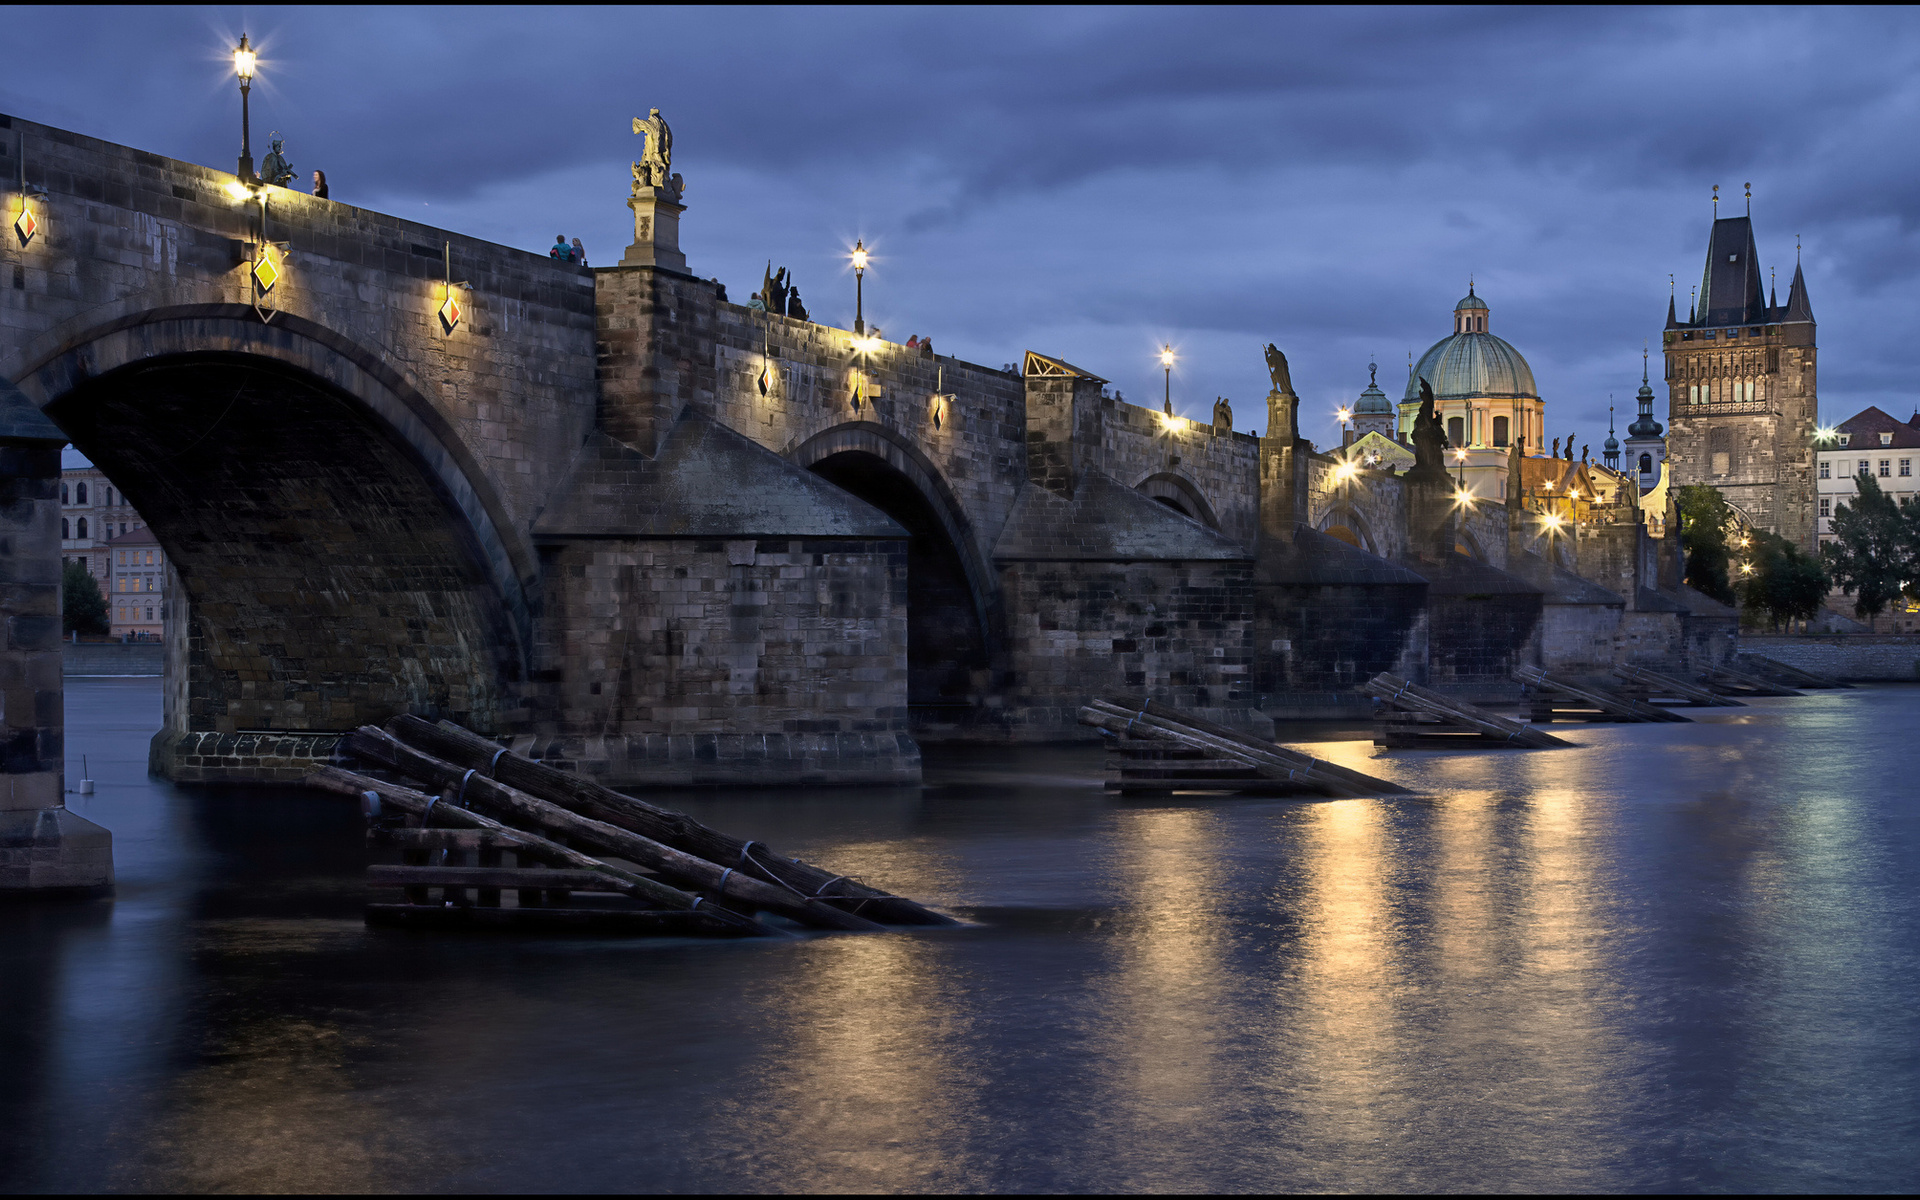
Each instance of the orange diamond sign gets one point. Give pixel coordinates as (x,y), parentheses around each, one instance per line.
(265,273)
(25,225)
(450,313)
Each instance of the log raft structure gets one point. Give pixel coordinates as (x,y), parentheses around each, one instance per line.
(1729,682)
(1155,748)
(1655,687)
(493,840)
(1553,698)
(1413,717)
(1778,672)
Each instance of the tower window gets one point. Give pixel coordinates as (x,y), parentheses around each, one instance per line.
(1720,451)
(1646,464)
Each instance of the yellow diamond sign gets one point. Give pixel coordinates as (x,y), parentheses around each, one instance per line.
(265,273)
(450,313)
(24,225)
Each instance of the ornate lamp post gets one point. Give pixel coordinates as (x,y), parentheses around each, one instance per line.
(1166,360)
(859,286)
(244,60)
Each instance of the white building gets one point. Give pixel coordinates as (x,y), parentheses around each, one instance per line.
(1871,443)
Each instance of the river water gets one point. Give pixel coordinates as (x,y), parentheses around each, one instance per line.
(1680,957)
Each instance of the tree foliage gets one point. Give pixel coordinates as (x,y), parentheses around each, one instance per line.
(1875,552)
(1780,581)
(1704,517)
(82,607)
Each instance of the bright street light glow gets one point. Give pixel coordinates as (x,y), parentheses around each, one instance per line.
(860,255)
(1345,415)
(238,190)
(244,60)
(1166,356)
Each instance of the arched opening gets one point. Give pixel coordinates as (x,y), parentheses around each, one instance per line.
(948,653)
(1646,464)
(1178,493)
(1346,535)
(322,575)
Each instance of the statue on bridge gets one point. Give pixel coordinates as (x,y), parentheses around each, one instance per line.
(1277,367)
(274,168)
(1429,442)
(656,158)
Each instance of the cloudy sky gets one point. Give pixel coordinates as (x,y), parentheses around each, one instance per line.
(1092,183)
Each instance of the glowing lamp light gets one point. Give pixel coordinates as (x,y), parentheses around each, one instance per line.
(1552,520)
(239,191)
(1345,415)
(1463,496)
(860,255)
(1166,356)
(265,273)
(244,61)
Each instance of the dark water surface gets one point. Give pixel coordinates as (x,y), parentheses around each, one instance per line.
(1680,957)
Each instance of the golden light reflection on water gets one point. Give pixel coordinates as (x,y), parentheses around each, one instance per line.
(862,1095)
(1167,986)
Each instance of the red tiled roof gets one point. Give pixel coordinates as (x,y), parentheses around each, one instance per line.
(135,537)
(1866,428)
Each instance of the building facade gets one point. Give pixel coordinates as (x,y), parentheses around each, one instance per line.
(93,512)
(136,584)
(1742,392)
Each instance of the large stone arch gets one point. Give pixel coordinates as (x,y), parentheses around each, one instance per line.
(1181,494)
(1344,517)
(881,467)
(338,554)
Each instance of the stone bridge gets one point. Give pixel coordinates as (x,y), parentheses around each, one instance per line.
(626,522)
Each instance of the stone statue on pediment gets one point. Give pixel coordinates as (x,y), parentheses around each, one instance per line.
(274,168)
(655,168)
(1277,367)
(1429,441)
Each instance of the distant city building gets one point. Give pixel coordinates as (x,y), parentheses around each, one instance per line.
(1484,395)
(137,585)
(1646,444)
(1741,388)
(1870,443)
(92,513)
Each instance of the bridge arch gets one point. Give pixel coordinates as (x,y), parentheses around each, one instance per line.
(1180,494)
(954,618)
(339,555)
(1343,521)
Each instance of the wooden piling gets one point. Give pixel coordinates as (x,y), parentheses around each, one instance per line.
(1494,730)
(1658,683)
(1604,704)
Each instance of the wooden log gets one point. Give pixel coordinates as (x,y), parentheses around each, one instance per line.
(544,878)
(516,807)
(1727,677)
(1273,761)
(1786,673)
(1666,685)
(404,799)
(598,921)
(1391,689)
(677,830)
(1617,706)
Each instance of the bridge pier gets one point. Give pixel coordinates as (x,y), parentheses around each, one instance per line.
(43,848)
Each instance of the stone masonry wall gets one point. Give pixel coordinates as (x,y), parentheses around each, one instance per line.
(1850,658)
(1178,632)
(666,661)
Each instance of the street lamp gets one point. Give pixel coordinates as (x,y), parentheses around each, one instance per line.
(859,286)
(1166,360)
(243,64)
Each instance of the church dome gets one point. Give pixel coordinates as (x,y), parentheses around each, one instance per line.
(1472,363)
(1373,401)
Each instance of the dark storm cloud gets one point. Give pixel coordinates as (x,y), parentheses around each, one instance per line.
(1092,182)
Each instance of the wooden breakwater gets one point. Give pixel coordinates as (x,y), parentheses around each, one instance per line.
(1155,747)
(488,838)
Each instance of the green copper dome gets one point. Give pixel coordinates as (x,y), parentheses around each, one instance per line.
(1473,364)
(1373,401)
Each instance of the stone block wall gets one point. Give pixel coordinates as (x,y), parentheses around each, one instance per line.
(1180,632)
(675,661)
(1317,641)
(1852,658)
(32,721)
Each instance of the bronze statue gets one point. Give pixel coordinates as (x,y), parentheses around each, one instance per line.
(1277,367)
(274,168)
(794,307)
(1556,447)
(1429,441)
(1569,447)
(773,290)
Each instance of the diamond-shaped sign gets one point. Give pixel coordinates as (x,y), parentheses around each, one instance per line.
(264,272)
(25,225)
(450,313)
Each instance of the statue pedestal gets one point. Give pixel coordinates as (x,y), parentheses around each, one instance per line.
(656,230)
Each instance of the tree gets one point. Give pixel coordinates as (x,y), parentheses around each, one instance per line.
(1781,582)
(1704,517)
(1874,550)
(82,607)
